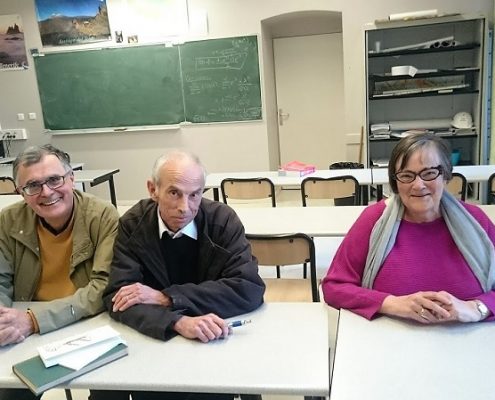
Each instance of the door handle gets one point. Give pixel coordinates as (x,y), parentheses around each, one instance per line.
(282,116)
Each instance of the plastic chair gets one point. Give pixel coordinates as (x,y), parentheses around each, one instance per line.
(248,189)
(7,185)
(343,190)
(457,186)
(283,250)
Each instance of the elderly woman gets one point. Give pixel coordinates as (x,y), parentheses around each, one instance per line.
(421,254)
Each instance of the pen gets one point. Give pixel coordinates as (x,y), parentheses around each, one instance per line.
(239,322)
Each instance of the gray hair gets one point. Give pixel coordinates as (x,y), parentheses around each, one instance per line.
(34,154)
(419,141)
(174,155)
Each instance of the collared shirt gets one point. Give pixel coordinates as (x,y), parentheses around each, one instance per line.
(190,229)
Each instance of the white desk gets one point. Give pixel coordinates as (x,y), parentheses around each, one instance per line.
(313,221)
(388,359)
(283,351)
(92,176)
(7,160)
(473,173)
(214,180)
(95,177)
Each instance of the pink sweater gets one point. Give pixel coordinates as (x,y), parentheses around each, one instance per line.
(424,257)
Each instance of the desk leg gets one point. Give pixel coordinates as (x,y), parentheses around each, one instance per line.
(113,198)
(379,192)
(68,394)
(216,195)
(364,195)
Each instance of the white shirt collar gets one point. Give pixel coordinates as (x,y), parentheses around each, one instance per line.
(190,229)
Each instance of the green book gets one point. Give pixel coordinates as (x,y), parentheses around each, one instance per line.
(39,378)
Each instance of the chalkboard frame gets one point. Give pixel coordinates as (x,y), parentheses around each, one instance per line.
(251,80)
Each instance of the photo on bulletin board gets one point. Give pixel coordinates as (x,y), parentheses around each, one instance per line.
(72,22)
(12,49)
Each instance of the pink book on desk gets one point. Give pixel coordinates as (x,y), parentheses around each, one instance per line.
(298,168)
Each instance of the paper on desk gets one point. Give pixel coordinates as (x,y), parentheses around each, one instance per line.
(51,353)
(82,357)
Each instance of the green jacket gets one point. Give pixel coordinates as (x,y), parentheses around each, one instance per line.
(95,228)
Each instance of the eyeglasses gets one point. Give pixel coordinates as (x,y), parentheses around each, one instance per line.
(427,174)
(53,182)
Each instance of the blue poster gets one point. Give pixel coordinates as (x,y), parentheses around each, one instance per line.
(69,22)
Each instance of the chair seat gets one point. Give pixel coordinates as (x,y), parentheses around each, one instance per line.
(287,290)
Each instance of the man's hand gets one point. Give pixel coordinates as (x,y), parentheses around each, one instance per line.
(205,328)
(15,326)
(137,293)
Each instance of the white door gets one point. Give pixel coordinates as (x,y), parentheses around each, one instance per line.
(310,98)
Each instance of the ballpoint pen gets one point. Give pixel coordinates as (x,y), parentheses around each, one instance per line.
(239,322)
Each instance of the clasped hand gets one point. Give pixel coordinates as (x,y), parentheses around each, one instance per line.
(430,308)
(15,326)
(137,293)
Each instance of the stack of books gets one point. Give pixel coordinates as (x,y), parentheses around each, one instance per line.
(63,360)
(296,168)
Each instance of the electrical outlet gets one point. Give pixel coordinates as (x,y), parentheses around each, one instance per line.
(13,134)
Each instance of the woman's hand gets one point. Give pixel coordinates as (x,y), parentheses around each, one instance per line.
(460,310)
(431,308)
(424,307)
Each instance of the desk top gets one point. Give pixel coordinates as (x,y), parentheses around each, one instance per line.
(389,359)
(90,175)
(6,169)
(7,160)
(283,351)
(363,176)
(473,173)
(313,221)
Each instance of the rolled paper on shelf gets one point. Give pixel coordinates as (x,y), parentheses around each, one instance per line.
(413,15)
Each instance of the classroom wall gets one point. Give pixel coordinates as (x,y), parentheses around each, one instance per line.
(222,147)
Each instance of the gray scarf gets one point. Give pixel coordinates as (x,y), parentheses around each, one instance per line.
(470,238)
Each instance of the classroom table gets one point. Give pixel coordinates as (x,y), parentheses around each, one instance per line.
(473,174)
(95,177)
(214,180)
(7,160)
(327,221)
(284,350)
(92,176)
(389,359)
(313,221)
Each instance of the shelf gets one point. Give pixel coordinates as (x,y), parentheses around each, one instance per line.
(423,51)
(445,72)
(425,94)
(396,139)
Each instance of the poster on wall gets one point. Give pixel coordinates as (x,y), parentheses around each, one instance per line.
(12,49)
(72,22)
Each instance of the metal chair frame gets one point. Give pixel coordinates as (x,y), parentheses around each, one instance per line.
(286,249)
(248,189)
(336,188)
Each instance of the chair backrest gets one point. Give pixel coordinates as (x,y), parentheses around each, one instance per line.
(7,185)
(344,190)
(248,189)
(283,250)
(491,190)
(457,186)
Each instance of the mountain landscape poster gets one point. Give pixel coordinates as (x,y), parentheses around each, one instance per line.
(12,49)
(70,22)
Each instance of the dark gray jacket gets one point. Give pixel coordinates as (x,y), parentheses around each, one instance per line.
(228,273)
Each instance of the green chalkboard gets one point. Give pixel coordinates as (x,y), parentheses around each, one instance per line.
(114,87)
(206,81)
(221,80)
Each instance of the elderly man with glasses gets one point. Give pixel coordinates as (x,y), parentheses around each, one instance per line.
(56,247)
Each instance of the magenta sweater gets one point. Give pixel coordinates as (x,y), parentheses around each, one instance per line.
(424,257)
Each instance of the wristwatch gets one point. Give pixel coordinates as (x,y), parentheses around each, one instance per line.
(483,310)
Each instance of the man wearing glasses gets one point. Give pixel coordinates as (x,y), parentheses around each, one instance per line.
(55,251)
